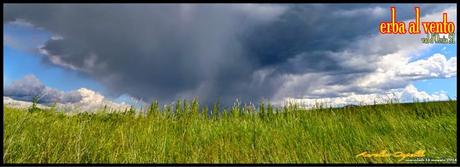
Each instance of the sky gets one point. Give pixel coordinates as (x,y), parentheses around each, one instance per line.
(129,53)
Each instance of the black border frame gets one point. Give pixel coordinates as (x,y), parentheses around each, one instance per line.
(231,1)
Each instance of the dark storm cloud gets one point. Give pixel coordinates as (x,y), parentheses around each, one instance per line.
(210,51)
(29,87)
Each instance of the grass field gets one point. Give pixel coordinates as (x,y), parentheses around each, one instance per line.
(240,135)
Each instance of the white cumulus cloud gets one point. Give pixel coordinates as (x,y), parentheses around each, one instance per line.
(407,94)
(435,66)
(20,93)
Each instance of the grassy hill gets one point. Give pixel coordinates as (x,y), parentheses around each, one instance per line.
(185,134)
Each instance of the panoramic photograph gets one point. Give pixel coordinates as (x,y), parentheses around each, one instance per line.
(230,83)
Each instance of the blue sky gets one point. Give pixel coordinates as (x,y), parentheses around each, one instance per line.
(19,64)
(209,62)
(22,61)
(449,85)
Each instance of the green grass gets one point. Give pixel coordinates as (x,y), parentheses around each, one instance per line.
(240,135)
